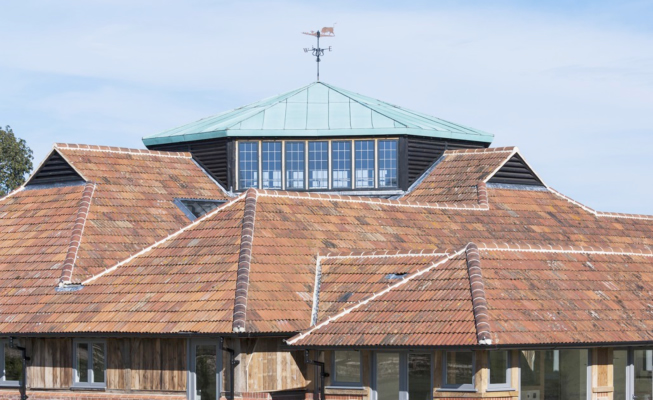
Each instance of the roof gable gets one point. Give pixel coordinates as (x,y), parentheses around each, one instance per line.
(55,169)
(516,171)
(318,109)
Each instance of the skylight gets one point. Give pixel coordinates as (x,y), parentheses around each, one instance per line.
(196,208)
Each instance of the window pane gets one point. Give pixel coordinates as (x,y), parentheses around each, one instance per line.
(498,367)
(205,372)
(247,165)
(562,374)
(460,367)
(388,163)
(348,366)
(364,163)
(530,364)
(643,373)
(419,377)
(387,376)
(271,159)
(318,165)
(620,363)
(98,362)
(341,164)
(13,364)
(82,362)
(294,165)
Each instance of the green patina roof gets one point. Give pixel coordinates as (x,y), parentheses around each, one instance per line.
(319,110)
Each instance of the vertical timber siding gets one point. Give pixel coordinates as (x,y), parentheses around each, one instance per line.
(51,365)
(211,154)
(422,152)
(133,364)
(270,368)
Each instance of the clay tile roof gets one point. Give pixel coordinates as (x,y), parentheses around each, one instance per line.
(183,283)
(455,177)
(430,305)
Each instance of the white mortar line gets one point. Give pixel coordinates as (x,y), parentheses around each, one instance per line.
(145,250)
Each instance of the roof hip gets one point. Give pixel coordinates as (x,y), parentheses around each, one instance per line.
(479,302)
(76,237)
(244,262)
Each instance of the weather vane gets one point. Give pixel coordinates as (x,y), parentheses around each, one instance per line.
(318,52)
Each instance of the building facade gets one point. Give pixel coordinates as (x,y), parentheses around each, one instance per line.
(318,244)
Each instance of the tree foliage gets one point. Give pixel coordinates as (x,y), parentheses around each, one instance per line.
(15,161)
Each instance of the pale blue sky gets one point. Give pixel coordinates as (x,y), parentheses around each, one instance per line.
(569,82)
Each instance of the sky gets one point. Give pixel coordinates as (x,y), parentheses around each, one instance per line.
(568,82)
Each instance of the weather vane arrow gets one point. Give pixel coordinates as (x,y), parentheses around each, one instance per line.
(318,52)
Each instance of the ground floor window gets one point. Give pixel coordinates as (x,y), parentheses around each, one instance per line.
(90,363)
(403,376)
(346,368)
(633,373)
(458,370)
(11,360)
(499,376)
(554,374)
(206,365)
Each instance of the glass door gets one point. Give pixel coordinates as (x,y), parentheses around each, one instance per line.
(206,365)
(403,376)
(643,374)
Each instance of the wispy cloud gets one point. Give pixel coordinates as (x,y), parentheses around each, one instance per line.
(569,82)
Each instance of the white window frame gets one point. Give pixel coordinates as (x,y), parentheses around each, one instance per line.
(3,381)
(334,380)
(462,387)
(503,386)
(90,383)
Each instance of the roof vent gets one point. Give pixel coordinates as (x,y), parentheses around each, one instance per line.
(195,208)
(516,172)
(55,170)
(400,275)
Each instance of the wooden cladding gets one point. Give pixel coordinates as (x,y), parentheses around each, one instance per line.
(133,364)
(211,154)
(421,152)
(146,364)
(516,172)
(55,170)
(271,368)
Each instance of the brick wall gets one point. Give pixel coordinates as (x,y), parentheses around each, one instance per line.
(54,395)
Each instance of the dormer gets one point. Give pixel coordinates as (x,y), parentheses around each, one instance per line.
(319,138)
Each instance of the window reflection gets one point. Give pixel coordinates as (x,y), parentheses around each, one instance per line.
(387,163)
(364,163)
(295,165)
(554,374)
(247,165)
(341,164)
(318,165)
(271,165)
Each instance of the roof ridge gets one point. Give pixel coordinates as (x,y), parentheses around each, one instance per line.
(13,192)
(121,150)
(160,242)
(605,214)
(461,152)
(244,262)
(386,253)
(644,251)
(76,236)
(358,199)
(348,310)
(479,302)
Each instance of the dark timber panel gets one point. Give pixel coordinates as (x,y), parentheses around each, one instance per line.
(54,170)
(211,154)
(516,172)
(422,152)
